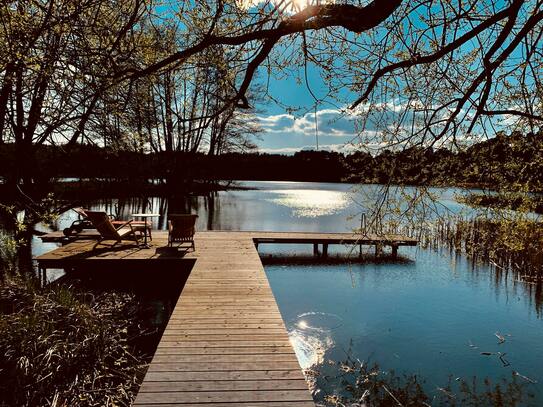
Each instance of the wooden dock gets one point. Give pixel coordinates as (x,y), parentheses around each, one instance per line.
(225,343)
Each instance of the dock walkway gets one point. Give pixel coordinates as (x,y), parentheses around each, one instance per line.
(225,343)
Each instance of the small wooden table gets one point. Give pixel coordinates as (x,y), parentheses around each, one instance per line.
(144,216)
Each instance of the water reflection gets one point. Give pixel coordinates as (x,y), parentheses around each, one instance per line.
(415,317)
(279,206)
(311,203)
(310,335)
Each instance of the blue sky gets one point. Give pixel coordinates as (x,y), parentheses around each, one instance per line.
(285,132)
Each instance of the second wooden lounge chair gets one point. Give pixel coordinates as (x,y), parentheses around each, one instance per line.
(108,231)
(83,222)
(181,229)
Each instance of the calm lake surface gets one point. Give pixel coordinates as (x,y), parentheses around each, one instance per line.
(428,314)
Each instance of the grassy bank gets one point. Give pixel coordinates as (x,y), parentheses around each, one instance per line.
(63,346)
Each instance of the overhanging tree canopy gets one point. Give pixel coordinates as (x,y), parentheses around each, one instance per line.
(420,71)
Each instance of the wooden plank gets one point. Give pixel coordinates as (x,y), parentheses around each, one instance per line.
(225,332)
(188,308)
(217,321)
(194,337)
(242,343)
(236,396)
(224,367)
(224,385)
(214,315)
(231,375)
(228,325)
(253,350)
(225,358)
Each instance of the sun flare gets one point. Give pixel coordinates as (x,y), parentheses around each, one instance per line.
(284,7)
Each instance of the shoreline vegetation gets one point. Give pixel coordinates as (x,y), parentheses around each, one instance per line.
(503,162)
(66,346)
(511,247)
(507,245)
(95,189)
(511,201)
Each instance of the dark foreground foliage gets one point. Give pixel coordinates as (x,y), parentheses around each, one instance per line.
(62,347)
(361,384)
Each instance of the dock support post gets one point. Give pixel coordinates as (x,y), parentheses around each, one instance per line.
(315,249)
(378,249)
(42,275)
(394,251)
(325,250)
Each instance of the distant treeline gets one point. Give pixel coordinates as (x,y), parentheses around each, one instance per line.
(95,162)
(503,160)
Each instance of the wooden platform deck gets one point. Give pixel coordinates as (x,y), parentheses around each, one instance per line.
(225,343)
(265,237)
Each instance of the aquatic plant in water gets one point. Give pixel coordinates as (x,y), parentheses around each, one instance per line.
(357,383)
(509,244)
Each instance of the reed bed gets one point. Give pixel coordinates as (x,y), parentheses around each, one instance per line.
(65,347)
(509,245)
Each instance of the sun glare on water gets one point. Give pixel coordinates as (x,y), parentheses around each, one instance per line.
(311,336)
(311,203)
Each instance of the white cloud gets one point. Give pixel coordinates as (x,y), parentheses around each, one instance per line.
(338,127)
(346,148)
(337,122)
(282,150)
(274,118)
(331,122)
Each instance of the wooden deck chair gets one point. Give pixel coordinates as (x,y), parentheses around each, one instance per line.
(181,229)
(84,223)
(108,231)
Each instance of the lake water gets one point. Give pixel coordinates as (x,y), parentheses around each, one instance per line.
(429,314)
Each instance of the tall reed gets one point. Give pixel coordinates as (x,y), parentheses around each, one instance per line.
(509,245)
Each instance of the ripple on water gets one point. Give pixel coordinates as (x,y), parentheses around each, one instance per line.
(318,321)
